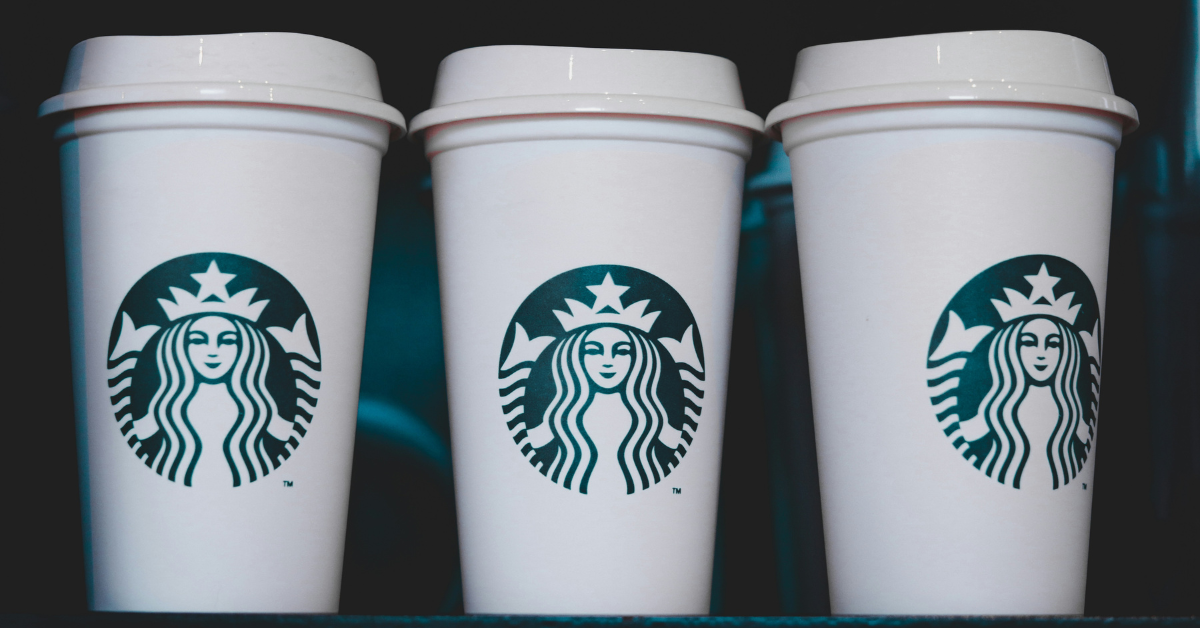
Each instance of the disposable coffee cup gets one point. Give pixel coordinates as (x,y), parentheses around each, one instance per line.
(219,198)
(953,195)
(587,205)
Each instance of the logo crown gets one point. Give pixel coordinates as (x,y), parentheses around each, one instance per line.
(1040,302)
(607,309)
(213,297)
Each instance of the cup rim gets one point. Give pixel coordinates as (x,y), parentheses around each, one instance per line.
(979,93)
(585,104)
(234,93)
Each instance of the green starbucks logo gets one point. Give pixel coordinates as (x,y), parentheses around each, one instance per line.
(1014,371)
(214,369)
(602,379)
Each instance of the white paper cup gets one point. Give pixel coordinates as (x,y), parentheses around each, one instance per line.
(953,197)
(587,245)
(219,235)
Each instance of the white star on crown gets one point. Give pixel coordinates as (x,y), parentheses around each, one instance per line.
(607,309)
(1040,302)
(212,285)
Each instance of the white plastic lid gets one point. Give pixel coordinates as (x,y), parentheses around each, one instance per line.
(267,68)
(494,81)
(1028,67)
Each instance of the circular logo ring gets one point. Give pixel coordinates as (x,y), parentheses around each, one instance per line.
(214,369)
(1014,371)
(601,379)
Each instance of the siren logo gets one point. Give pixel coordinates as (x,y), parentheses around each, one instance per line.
(602,379)
(1014,371)
(214,368)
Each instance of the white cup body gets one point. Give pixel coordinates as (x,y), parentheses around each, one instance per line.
(519,202)
(897,210)
(295,191)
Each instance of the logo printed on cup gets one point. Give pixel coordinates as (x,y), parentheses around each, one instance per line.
(603,398)
(214,369)
(1014,371)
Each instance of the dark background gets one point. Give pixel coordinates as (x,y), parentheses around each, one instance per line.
(401,555)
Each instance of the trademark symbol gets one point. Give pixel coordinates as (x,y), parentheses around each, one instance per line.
(1085,486)
(287,483)
(676,490)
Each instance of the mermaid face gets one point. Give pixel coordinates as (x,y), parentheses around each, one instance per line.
(607,353)
(212,346)
(1040,347)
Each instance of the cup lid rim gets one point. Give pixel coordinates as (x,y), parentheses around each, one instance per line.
(1015,67)
(952,93)
(585,105)
(227,93)
(286,68)
(505,80)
